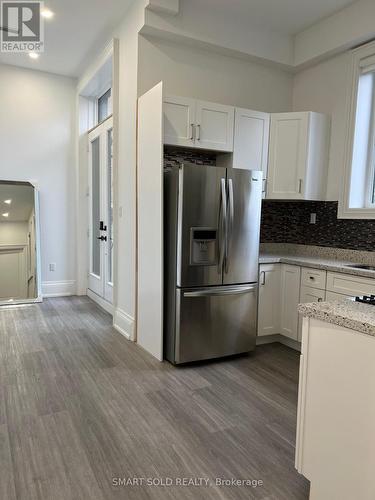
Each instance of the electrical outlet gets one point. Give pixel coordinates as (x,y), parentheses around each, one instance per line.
(312,218)
(52,266)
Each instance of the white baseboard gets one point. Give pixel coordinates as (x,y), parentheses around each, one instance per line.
(58,288)
(123,323)
(100,301)
(269,339)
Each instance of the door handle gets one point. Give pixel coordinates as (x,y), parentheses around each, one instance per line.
(218,291)
(223,225)
(102,238)
(192,131)
(230,224)
(199,133)
(263,278)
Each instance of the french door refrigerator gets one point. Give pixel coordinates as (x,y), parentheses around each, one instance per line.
(211,247)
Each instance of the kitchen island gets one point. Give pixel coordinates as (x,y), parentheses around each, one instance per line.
(335,446)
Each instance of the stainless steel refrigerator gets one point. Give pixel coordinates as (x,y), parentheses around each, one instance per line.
(211,247)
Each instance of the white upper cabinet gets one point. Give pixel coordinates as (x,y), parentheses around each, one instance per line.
(298,156)
(251,140)
(198,124)
(179,121)
(214,126)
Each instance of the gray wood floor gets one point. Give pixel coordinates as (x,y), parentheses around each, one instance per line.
(80,407)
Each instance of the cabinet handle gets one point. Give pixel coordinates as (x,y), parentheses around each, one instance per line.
(199,133)
(300,186)
(192,131)
(320,299)
(263,278)
(264,186)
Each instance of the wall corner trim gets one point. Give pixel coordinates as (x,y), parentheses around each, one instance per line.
(58,288)
(124,323)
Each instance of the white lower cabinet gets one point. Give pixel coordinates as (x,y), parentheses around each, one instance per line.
(290,288)
(269,299)
(283,286)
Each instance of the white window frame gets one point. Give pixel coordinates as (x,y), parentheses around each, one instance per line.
(101,93)
(358,57)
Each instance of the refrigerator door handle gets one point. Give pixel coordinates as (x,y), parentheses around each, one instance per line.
(223,225)
(230,224)
(217,291)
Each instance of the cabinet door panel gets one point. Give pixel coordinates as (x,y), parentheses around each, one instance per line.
(251,138)
(350,285)
(290,289)
(179,119)
(269,299)
(308,294)
(288,155)
(214,126)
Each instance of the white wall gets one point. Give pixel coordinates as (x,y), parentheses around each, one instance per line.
(323,88)
(126,70)
(198,23)
(345,29)
(192,72)
(37,127)
(14,233)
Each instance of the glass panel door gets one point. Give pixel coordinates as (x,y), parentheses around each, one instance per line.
(95,281)
(95,199)
(101,210)
(108,288)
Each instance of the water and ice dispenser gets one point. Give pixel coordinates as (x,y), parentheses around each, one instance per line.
(203,246)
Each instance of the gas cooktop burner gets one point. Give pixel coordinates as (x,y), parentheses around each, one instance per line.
(366,299)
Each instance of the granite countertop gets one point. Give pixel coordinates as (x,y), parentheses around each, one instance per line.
(315,262)
(345,312)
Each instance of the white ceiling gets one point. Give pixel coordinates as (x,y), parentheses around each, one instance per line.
(78,29)
(283,16)
(22,202)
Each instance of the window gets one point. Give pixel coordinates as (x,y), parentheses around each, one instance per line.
(105,105)
(358,194)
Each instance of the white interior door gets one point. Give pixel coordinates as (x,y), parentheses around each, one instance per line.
(13,272)
(101,211)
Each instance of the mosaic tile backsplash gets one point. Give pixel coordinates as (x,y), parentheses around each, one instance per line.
(178,155)
(289,222)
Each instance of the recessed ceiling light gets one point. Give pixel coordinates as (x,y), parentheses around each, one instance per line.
(33,55)
(48,14)
(6,214)
(8,202)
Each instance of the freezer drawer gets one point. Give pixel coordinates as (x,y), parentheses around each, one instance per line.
(215,322)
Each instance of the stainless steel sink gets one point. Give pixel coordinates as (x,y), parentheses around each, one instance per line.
(361,266)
